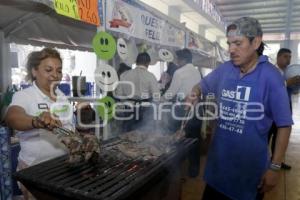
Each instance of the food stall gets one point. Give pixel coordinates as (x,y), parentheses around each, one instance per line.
(36,22)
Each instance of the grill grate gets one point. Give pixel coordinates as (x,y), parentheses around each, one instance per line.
(112,179)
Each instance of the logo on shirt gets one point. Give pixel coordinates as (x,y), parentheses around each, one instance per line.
(242,93)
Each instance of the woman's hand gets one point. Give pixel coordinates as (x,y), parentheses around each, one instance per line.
(47,121)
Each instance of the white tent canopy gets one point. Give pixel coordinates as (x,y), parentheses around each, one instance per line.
(32,22)
(35,22)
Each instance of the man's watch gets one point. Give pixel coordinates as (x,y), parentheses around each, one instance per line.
(275,167)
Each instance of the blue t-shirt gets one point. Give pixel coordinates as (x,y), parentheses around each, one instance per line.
(238,156)
(272,91)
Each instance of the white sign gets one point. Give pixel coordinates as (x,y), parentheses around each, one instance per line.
(125,18)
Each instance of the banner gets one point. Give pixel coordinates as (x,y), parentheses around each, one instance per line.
(83,10)
(200,44)
(125,18)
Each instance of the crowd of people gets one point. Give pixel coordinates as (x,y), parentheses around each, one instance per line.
(238,165)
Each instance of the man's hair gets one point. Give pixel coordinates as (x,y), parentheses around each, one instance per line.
(143,59)
(250,28)
(282,51)
(185,54)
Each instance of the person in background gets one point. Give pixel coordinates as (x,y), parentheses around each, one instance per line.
(144,89)
(185,77)
(249,98)
(37,110)
(283,60)
(122,68)
(167,76)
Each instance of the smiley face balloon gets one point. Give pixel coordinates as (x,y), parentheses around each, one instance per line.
(165,55)
(104,45)
(122,49)
(106,108)
(106,77)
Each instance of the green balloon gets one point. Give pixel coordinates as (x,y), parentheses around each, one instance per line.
(106,108)
(104,45)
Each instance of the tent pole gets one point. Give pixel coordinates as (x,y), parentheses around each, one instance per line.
(5,67)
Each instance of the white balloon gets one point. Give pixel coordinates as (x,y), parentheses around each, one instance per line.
(132,53)
(106,77)
(122,49)
(291,71)
(166,55)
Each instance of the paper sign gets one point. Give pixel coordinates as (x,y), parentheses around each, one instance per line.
(88,11)
(67,8)
(124,18)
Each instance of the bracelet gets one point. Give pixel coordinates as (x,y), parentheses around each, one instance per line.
(275,167)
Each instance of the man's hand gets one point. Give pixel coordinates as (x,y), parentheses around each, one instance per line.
(269,181)
(295,80)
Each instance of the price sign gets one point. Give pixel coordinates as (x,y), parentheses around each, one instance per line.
(83,10)
(67,8)
(88,11)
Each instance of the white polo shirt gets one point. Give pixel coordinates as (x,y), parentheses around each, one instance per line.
(38,145)
(144,84)
(184,79)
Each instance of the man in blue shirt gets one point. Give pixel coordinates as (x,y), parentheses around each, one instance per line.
(249,98)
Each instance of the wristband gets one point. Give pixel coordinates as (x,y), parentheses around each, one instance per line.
(275,167)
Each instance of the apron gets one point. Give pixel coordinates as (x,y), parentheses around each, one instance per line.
(238,155)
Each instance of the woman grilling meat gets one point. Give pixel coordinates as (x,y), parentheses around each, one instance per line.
(36,111)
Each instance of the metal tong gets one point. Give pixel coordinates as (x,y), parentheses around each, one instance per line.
(184,122)
(63,131)
(180,133)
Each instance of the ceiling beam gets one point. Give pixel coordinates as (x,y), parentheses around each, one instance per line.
(262,16)
(239,2)
(273,25)
(254,12)
(280,30)
(259,5)
(272,20)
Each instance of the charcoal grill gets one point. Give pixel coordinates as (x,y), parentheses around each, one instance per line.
(111,180)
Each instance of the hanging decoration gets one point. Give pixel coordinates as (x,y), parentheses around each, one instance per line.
(104,45)
(106,78)
(106,108)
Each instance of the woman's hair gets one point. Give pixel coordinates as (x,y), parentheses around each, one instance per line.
(35,58)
